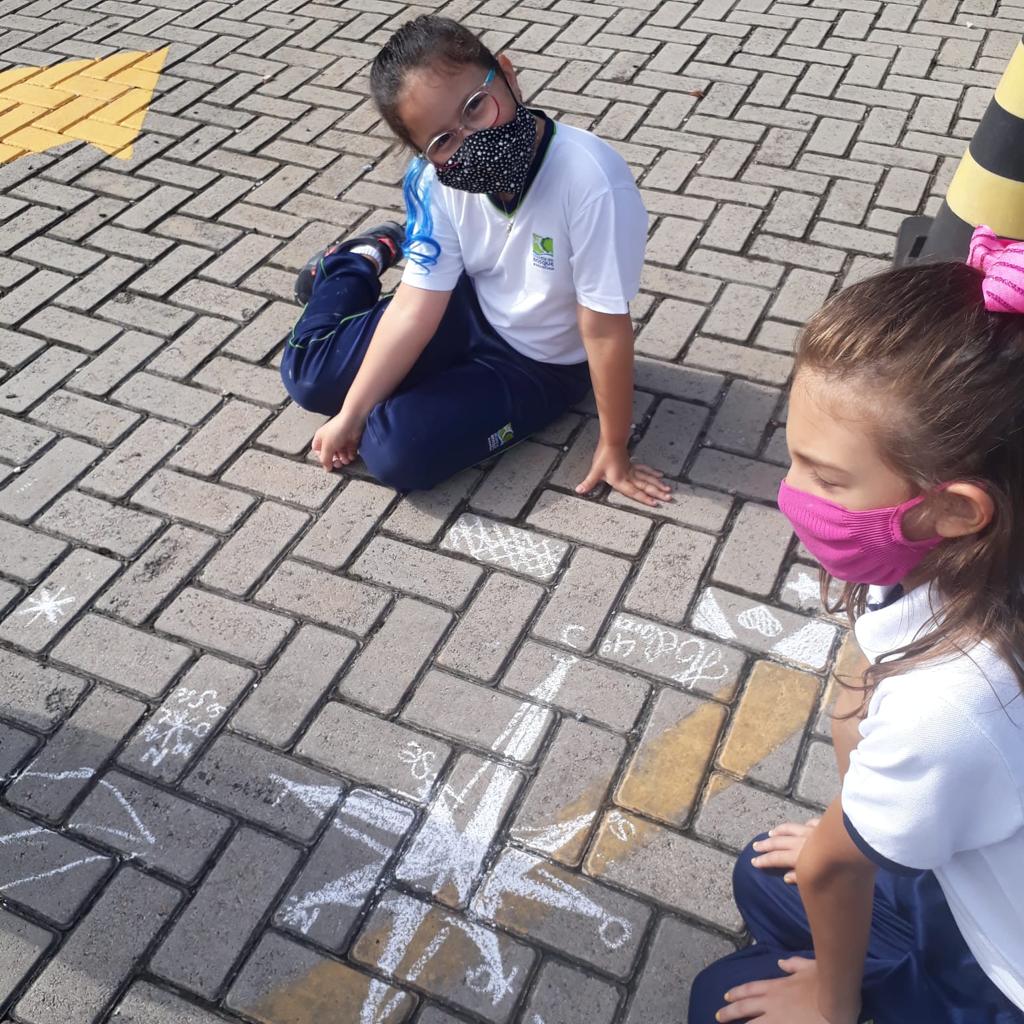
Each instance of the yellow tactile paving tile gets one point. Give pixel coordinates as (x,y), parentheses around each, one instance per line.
(102,102)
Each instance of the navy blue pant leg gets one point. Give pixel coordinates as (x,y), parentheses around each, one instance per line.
(918,968)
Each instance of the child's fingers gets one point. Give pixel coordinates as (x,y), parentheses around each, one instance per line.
(317,441)
(640,494)
(789,877)
(791,828)
(777,859)
(591,481)
(648,469)
(778,843)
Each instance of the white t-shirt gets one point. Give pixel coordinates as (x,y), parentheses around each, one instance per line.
(937,782)
(578,236)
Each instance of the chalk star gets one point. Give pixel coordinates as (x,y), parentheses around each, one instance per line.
(804,586)
(45,603)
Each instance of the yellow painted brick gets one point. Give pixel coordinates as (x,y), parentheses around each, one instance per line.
(36,140)
(9,153)
(667,770)
(81,85)
(154,61)
(57,73)
(137,78)
(107,67)
(122,109)
(108,137)
(775,705)
(26,92)
(14,75)
(71,113)
(18,118)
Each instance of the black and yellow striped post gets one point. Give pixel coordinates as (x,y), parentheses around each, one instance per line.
(988,187)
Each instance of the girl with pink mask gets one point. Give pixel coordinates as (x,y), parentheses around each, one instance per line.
(904,904)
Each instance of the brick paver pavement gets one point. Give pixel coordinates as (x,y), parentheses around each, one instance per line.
(287,747)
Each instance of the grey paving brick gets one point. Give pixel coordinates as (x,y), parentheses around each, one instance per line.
(152,577)
(691,506)
(562,993)
(754,550)
(15,747)
(818,781)
(68,413)
(506,547)
(577,685)
(343,526)
(117,473)
(144,1003)
(57,601)
(678,953)
(660,864)
(236,377)
(582,599)
(193,346)
(21,945)
(561,807)
(197,501)
(369,750)
(446,855)
(36,695)
(324,903)
(385,669)
(733,813)
(670,436)
(423,573)
(219,624)
(420,516)
(220,439)
(489,627)
(96,522)
(116,362)
(324,597)
(266,332)
(742,417)
(51,782)
(274,711)
(588,523)
(250,552)
(736,619)
(45,478)
(465,963)
(172,737)
(277,974)
(84,976)
(45,871)
(26,554)
(72,328)
(20,440)
(267,788)
(737,475)
(488,719)
(292,431)
(669,573)
(512,480)
(209,937)
(164,397)
(678,657)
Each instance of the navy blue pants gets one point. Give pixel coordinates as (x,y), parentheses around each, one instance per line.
(918,969)
(469,395)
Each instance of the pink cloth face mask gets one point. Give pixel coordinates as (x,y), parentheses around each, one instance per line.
(858,547)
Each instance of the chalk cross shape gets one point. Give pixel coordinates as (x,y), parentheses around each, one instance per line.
(102,102)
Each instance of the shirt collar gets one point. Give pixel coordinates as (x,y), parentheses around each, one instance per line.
(895,619)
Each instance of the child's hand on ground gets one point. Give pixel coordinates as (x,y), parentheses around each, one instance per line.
(782,847)
(336,443)
(612,465)
(790,1000)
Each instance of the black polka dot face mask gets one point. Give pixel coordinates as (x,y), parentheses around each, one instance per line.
(493,159)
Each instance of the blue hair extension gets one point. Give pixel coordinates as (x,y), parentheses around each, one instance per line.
(419,224)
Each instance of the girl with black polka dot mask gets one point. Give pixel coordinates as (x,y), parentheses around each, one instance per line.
(525,242)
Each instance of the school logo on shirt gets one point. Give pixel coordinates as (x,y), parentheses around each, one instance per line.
(500,438)
(543,252)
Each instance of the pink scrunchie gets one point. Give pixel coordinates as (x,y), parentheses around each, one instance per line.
(1002,262)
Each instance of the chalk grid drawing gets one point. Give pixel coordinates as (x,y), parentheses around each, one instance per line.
(506,546)
(730,617)
(692,662)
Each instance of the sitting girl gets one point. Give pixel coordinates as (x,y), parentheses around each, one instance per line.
(906,435)
(525,241)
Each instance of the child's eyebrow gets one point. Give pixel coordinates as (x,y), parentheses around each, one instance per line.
(818,464)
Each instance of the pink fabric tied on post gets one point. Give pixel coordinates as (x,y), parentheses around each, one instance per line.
(1002,263)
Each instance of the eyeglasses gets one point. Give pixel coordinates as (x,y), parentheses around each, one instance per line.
(480,111)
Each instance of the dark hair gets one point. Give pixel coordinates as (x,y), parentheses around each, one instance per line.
(947,379)
(426,41)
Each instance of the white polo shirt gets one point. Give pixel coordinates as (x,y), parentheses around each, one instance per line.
(578,236)
(937,782)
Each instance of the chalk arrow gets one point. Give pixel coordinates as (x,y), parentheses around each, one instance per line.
(102,102)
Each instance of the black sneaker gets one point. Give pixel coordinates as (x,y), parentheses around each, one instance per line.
(386,238)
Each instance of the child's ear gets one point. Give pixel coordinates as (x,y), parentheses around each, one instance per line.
(510,75)
(963,509)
